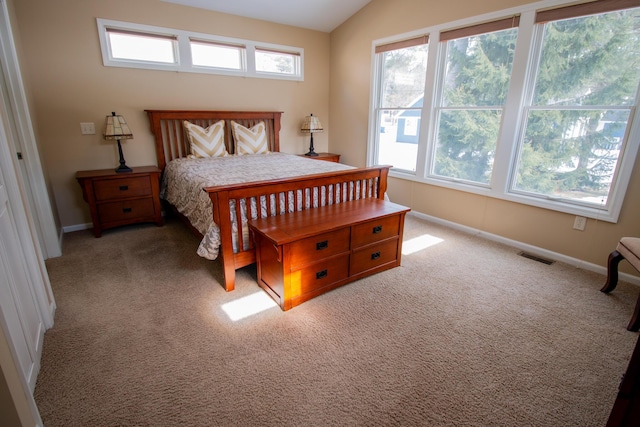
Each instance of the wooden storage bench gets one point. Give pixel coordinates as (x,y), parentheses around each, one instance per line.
(303,254)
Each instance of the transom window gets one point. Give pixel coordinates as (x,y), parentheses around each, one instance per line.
(537,104)
(130,45)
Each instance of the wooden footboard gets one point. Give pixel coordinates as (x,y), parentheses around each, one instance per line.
(333,187)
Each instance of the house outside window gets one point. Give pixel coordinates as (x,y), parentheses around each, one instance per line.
(403,67)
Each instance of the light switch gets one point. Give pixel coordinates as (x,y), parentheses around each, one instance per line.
(88,128)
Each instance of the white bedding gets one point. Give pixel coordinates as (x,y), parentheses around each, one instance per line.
(184,179)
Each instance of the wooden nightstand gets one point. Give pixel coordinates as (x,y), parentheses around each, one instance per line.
(117,199)
(329,157)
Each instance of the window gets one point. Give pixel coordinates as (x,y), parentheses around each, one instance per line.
(474,90)
(272,61)
(579,111)
(537,105)
(403,66)
(217,55)
(130,45)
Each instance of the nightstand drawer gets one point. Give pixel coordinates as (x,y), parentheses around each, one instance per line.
(374,256)
(375,231)
(116,189)
(126,210)
(318,247)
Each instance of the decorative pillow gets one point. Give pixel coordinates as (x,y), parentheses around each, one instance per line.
(207,142)
(250,141)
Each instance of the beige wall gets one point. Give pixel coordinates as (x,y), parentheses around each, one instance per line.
(351,63)
(68,85)
(62,64)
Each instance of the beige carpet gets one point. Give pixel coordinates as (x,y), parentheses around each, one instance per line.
(464,333)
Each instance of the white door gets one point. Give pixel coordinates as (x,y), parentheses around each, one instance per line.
(18,309)
(21,138)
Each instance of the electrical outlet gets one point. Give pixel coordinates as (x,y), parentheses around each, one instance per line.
(88,128)
(580,223)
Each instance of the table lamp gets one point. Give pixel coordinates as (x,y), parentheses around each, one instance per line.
(311,125)
(116,128)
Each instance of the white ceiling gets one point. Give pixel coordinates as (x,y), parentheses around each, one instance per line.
(320,15)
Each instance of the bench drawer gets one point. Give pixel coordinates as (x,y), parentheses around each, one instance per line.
(375,231)
(318,247)
(317,276)
(374,256)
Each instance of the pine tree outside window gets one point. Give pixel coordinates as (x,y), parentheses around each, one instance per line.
(473,94)
(580,108)
(537,104)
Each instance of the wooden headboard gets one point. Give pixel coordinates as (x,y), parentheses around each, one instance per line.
(171,139)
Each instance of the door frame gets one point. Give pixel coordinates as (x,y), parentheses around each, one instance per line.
(24,141)
(37,224)
(20,388)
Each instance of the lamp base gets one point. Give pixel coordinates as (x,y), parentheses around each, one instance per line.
(311,153)
(123,167)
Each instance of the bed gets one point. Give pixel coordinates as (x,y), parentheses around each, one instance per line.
(239,198)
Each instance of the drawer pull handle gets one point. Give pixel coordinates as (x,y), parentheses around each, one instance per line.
(321,274)
(375,255)
(126,210)
(377,229)
(322,245)
(124,187)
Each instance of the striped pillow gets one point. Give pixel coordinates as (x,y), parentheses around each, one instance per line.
(207,142)
(250,141)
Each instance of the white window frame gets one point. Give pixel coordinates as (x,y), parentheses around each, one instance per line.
(527,47)
(182,50)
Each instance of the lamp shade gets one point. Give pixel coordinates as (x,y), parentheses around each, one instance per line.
(116,128)
(311,124)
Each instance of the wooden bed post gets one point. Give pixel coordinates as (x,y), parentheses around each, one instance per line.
(221,216)
(382,182)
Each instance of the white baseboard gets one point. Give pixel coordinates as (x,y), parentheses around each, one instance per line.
(77,227)
(578,263)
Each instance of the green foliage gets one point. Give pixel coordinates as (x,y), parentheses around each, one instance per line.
(586,62)
(404,74)
(589,68)
(478,74)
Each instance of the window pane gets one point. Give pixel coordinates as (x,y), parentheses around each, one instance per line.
(276,62)
(571,154)
(478,70)
(398,138)
(402,82)
(590,60)
(466,144)
(216,55)
(141,47)
(403,77)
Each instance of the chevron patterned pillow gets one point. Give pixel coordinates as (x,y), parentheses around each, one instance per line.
(250,141)
(207,142)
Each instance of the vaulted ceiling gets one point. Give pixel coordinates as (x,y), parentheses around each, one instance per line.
(320,15)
